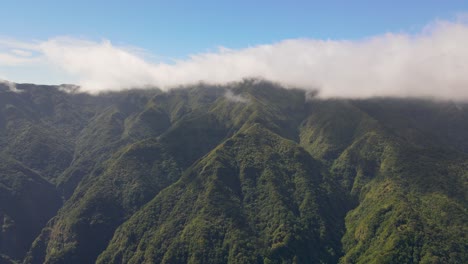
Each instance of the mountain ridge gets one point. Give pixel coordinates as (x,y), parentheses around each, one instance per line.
(378,180)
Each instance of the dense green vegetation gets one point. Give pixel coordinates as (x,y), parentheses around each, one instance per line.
(194,176)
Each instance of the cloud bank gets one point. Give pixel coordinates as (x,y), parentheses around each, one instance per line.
(431,63)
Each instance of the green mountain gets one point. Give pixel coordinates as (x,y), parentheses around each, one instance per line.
(247,172)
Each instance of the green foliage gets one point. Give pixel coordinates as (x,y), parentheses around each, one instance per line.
(192,176)
(27,201)
(255,196)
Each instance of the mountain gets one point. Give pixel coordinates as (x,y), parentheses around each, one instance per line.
(247,172)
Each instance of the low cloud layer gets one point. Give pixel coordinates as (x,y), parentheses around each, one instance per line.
(236,98)
(11,86)
(432,63)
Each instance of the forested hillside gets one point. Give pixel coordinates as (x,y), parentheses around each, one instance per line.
(248,172)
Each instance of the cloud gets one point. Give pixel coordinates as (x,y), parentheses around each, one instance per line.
(11,86)
(21,53)
(236,98)
(10,60)
(432,63)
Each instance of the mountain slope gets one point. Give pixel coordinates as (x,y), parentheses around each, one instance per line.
(259,174)
(255,198)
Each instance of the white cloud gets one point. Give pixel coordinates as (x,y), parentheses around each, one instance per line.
(22,53)
(9,60)
(236,98)
(432,63)
(11,86)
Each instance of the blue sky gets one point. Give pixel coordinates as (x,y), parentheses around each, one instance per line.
(176,29)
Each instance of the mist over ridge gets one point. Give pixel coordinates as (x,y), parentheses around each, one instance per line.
(431,63)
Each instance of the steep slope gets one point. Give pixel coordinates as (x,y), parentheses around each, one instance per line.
(255,198)
(116,171)
(249,172)
(36,127)
(88,219)
(406,196)
(27,202)
(397,172)
(40,127)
